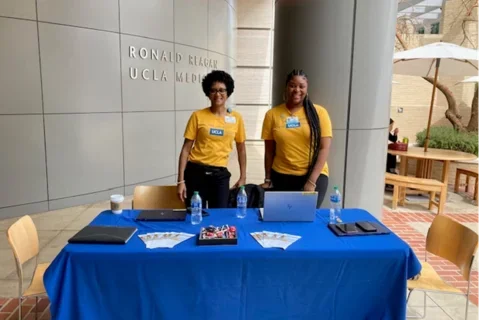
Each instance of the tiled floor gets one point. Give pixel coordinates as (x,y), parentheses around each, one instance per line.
(411,224)
(9,309)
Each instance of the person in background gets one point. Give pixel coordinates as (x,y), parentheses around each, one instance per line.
(392,137)
(209,137)
(297,136)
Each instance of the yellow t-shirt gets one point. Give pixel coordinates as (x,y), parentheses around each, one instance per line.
(291,134)
(213,136)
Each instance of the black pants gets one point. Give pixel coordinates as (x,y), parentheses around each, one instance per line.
(212,183)
(286,182)
(391,163)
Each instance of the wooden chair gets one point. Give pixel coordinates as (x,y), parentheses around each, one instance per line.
(156,197)
(454,242)
(431,185)
(469,174)
(23,239)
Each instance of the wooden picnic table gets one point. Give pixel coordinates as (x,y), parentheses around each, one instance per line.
(425,162)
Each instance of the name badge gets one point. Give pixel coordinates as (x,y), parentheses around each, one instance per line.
(230,119)
(292,122)
(216,132)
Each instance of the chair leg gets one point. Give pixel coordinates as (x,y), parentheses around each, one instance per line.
(466,308)
(443,200)
(457,182)
(476,195)
(403,195)
(432,199)
(409,293)
(395,197)
(20,307)
(475,191)
(424,306)
(36,307)
(400,195)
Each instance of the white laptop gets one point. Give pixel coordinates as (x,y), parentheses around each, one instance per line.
(289,206)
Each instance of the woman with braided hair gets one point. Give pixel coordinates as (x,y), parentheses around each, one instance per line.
(297,138)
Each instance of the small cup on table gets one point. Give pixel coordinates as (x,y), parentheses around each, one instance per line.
(116,203)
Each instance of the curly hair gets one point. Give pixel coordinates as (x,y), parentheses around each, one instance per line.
(218,76)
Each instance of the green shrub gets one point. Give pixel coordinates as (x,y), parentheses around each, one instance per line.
(448,138)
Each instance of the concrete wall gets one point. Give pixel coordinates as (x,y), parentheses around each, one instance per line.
(94,95)
(254,64)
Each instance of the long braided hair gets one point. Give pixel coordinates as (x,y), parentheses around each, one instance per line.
(313,123)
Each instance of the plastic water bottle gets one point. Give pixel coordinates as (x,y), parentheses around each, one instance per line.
(335,205)
(196,204)
(242,203)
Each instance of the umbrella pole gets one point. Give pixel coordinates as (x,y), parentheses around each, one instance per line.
(427,137)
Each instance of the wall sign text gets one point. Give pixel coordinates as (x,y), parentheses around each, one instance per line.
(163,56)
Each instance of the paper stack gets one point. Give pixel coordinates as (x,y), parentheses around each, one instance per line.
(164,239)
(274,239)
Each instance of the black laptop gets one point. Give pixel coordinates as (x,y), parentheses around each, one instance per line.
(162,215)
(103,235)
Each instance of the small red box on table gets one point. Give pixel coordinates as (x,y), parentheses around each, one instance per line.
(398,146)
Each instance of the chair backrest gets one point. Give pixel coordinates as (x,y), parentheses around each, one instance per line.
(453,241)
(23,239)
(156,197)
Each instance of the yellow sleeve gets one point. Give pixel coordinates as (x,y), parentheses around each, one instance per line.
(267,129)
(240,136)
(191,128)
(325,123)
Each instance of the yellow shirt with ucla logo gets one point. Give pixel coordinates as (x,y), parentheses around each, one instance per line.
(291,134)
(213,136)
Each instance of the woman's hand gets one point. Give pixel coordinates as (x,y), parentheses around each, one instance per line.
(308,187)
(240,182)
(182,191)
(266,185)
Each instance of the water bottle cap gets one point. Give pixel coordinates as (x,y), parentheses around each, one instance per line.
(195,193)
(242,187)
(335,188)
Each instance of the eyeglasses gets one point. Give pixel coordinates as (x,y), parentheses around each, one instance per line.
(221,91)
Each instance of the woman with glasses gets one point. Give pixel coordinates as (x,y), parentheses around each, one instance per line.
(209,137)
(297,135)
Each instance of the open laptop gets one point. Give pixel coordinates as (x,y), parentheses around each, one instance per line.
(162,215)
(289,206)
(103,235)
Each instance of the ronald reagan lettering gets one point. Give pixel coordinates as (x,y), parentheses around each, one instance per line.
(163,56)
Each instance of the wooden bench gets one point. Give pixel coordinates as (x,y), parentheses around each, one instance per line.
(469,174)
(430,185)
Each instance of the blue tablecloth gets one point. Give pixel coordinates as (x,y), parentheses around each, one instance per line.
(320,276)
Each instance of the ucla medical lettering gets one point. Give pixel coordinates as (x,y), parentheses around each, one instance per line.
(162,56)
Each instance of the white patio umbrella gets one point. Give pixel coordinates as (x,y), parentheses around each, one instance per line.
(425,62)
(469,80)
(395,82)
